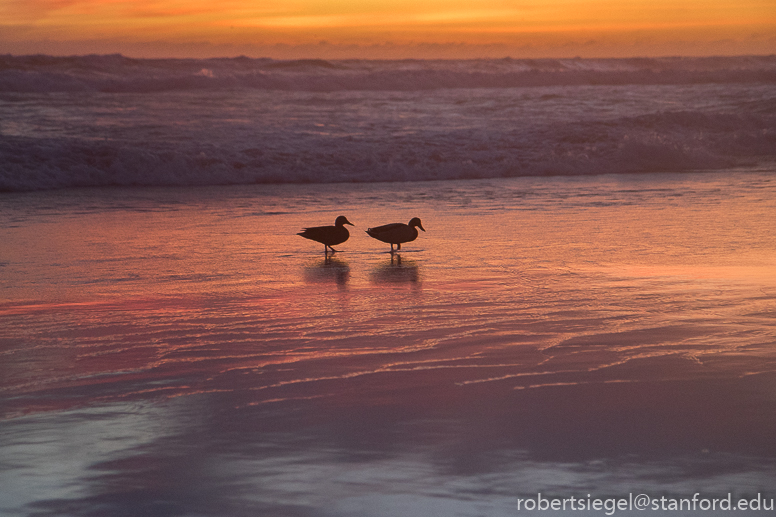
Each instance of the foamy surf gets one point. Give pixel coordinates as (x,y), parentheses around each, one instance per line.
(113,121)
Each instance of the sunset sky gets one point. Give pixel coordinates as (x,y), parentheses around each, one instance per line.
(388,28)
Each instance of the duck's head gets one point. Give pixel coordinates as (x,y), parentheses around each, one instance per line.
(342,220)
(415,221)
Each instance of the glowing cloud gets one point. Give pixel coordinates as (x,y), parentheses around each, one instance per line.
(591,27)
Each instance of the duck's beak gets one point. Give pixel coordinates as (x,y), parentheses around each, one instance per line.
(421,227)
(348,222)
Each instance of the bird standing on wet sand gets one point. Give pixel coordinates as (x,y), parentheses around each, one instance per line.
(329,235)
(396,233)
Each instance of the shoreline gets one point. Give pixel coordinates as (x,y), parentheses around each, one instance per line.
(596,336)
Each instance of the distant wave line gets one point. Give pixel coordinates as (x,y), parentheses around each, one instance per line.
(116,73)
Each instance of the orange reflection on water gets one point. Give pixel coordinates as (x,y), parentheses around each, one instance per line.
(528,283)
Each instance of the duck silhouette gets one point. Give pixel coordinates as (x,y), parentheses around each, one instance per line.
(396,233)
(328,235)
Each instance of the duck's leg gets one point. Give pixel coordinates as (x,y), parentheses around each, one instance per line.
(398,247)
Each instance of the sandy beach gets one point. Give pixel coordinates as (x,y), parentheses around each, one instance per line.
(181,351)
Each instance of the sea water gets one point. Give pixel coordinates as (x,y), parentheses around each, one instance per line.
(176,349)
(110,120)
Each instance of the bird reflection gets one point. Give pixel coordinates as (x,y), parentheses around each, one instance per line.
(328,270)
(398,271)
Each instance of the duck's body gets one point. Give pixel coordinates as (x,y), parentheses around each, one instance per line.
(396,233)
(328,235)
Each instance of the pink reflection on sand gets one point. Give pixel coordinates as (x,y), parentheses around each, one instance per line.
(515,334)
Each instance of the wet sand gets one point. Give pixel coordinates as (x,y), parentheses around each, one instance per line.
(183,352)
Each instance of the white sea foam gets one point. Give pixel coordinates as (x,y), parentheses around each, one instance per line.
(112,120)
(116,73)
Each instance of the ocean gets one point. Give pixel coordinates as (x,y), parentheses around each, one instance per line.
(587,325)
(115,121)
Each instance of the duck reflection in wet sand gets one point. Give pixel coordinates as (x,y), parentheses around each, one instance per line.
(328,270)
(396,272)
(397,233)
(328,235)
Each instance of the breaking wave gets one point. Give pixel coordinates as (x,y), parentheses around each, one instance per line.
(116,73)
(110,120)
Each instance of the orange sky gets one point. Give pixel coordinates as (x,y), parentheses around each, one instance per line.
(389,28)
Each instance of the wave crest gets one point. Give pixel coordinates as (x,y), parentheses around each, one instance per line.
(116,73)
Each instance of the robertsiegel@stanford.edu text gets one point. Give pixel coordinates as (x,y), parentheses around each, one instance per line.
(611,505)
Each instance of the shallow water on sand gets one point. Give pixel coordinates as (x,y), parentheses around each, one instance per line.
(183,352)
